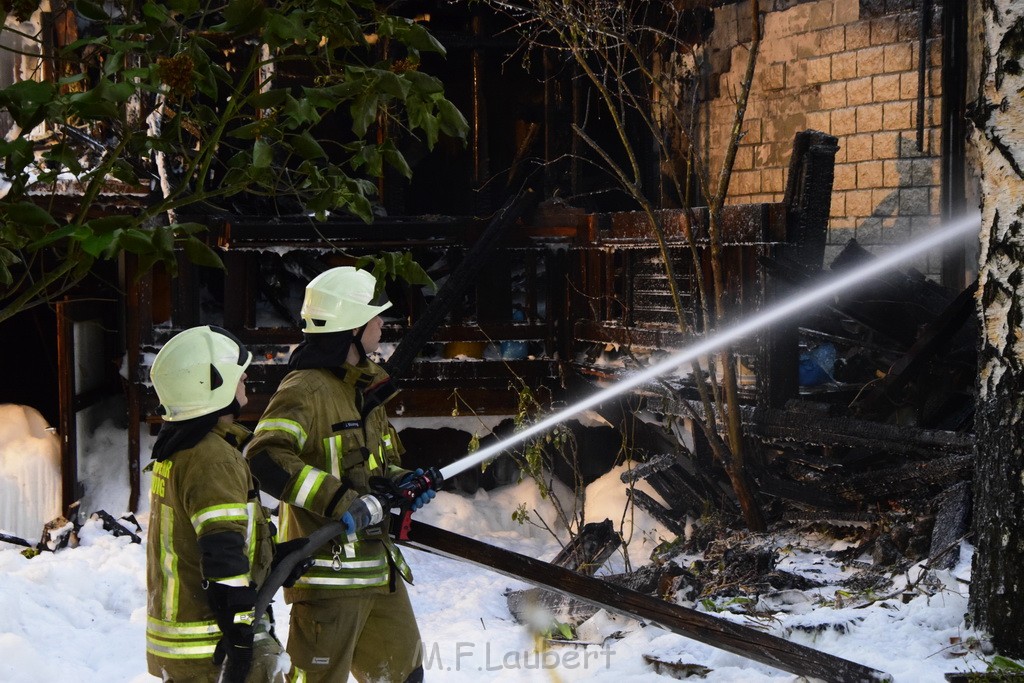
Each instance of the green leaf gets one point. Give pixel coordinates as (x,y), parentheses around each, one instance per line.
(271,98)
(124,172)
(96,245)
(136,241)
(28,102)
(425,84)
(395,158)
(391,84)
(28,213)
(306,146)
(199,253)
(364,112)
(54,236)
(420,118)
(249,131)
(300,112)
(453,123)
(156,12)
(185,7)
(90,10)
(1001,663)
(244,16)
(7,258)
(262,154)
(163,240)
(109,224)
(64,158)
(93,103)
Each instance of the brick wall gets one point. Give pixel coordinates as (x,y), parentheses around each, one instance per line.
(848,68)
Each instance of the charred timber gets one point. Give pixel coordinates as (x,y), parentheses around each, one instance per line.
(781,425)
(743,641)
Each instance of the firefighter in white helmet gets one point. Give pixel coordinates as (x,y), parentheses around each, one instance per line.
(210,541)
(324,436)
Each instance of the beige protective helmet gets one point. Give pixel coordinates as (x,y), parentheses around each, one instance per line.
(197,372)
(340,299)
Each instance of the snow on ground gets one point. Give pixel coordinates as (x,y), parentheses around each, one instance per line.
(79,614)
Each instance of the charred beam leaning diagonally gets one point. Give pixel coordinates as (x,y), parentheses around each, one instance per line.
(741,640)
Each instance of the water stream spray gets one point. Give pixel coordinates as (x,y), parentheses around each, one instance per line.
(798,303)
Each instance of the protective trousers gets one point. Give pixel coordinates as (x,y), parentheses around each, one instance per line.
(267,666)
(373,635)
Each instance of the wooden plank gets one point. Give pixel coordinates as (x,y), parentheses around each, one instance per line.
(740,640)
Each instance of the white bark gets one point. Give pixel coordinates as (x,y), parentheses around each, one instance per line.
(1000,146)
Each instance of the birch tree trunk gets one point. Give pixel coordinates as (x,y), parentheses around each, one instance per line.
(997,586)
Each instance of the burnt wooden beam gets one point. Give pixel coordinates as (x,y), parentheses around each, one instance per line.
(935,337)
(808,201)
(740,640)
(952,522)
(908,480)
(585,553)
(785,426)
(657,510)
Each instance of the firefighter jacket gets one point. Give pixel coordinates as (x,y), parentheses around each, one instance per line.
(206,524)
(324,434)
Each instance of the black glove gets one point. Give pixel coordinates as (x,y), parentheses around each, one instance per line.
(282,551)
(233,609)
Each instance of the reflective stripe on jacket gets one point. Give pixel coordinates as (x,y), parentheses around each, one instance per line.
(206,489)
(315,448)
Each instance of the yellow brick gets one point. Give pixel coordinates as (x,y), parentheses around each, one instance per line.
(908,85)
(886,145)
(934,85)
(858,91)
(884,200)
(745,183)
(859,203)
(819,120)
(845,177)
(869,118)
(870,61)
(869,174)
(844,121)
(897,115)
(833,40)
(838,208)
(886,88)
(772,76)
(858,147)
(773,180)
(858,35)
(897,58)
(833,95)
(744,158)
(819,70)
(884,30)
(844,65)
(891,173)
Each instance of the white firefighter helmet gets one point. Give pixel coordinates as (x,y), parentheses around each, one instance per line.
(340,299)
(197,372)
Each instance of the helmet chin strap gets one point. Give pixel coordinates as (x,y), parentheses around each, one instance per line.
(357,341)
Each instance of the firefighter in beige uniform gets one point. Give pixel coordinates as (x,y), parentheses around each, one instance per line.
(324,435)
(209,538)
